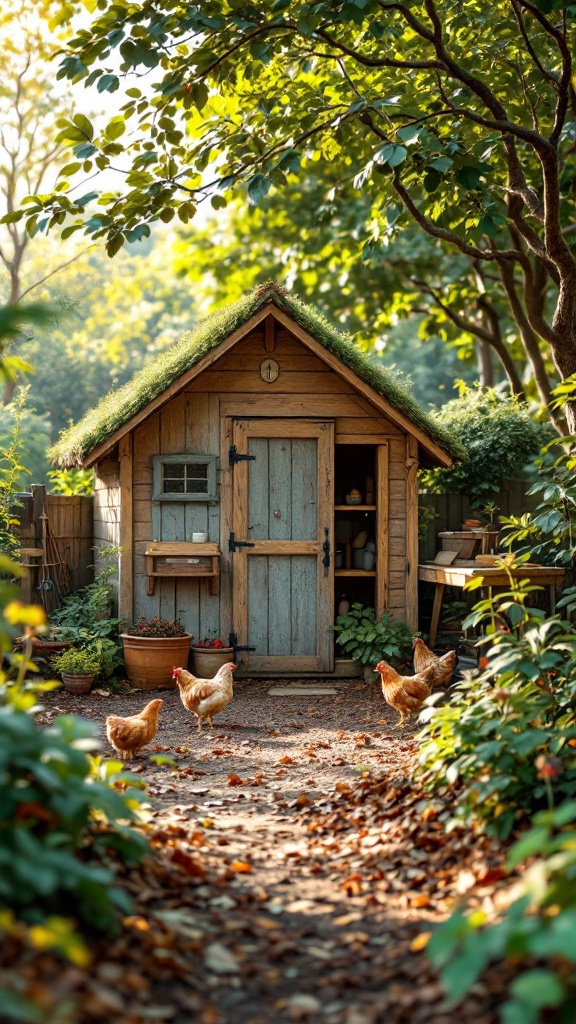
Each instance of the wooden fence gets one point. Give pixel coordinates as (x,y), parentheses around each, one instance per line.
(70,524)
(452,509)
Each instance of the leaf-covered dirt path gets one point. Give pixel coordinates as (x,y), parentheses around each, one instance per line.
(296,872)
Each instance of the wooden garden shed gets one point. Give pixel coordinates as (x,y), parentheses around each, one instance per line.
(256,429)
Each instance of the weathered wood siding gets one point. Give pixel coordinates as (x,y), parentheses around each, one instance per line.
(106,508)
(71,523)
(198,421)
(452,509)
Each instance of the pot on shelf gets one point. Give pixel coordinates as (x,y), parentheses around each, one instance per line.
(207,660)
(75,682)
(150,660)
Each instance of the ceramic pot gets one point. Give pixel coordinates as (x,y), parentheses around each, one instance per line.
(76,683)
(207,660)
(150,660)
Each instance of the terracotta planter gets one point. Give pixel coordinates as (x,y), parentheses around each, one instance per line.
(74,682)
(150,659)
(207,660)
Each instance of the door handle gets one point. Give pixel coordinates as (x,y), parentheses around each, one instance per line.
(326,550)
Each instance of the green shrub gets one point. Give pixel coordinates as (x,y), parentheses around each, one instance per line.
(485,741)
(549,533)
(369,640)
(77,662)
(500,439)
(61,811)
(536,931)
(57,821)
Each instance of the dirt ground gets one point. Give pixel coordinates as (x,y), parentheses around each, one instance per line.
(296,871)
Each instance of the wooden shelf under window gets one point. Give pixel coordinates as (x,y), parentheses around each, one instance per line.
(176,558)
(354,572)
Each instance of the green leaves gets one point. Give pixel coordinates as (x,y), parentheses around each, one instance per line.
(369,640)
(390,154)
(258,187)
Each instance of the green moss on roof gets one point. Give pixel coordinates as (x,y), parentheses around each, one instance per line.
(119,406)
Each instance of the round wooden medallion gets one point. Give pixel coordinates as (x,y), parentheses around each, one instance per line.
(269,370)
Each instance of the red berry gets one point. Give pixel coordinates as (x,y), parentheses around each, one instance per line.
(218,643)
(200,643)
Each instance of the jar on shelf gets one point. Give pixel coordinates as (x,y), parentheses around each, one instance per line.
(343,605)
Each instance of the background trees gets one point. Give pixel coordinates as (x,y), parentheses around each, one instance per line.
(456,118)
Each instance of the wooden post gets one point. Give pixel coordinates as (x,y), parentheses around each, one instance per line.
(126,582)
(412,531)
(382,527)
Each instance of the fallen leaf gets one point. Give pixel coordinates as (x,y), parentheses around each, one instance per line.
(220,960)
(241,867)
(422,900)
(420,942)
(286,760)
(190,865)
(234,780)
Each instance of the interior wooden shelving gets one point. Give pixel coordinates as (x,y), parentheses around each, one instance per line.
(354,572)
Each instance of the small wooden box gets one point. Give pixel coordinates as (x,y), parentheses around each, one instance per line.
(179,558)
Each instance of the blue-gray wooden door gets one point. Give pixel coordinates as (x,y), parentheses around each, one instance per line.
(282,593)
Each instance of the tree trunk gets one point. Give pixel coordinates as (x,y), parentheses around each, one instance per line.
(485,367)
(564,356)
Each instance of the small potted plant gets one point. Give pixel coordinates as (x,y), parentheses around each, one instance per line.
(152,649)
(78,668)
(369,640)
(210,654)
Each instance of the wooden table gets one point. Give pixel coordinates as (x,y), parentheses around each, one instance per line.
(460,572)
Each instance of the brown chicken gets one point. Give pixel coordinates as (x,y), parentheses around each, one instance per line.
(405,693)
(443,666)
(205,697)
(129,735)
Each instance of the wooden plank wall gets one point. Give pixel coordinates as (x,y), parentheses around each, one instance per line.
(106,509)
(453,509)
(198,421)
(71,522)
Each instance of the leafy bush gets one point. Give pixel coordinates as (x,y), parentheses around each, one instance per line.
(88,608)
(549,533)
(499,437)
(485,741)
(61,811)
(77,661)
(536,931)
(57,821)
(369,640)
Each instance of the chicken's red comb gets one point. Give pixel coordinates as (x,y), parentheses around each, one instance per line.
(175,672)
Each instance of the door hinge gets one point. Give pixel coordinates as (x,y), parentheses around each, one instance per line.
(326,550)
(234,457)
(233,642)
(233,543)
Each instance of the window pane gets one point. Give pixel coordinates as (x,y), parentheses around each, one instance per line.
(199,472)
(196,486)
(174,471)
(174,487)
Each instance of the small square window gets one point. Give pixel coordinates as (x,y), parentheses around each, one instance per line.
(184,478)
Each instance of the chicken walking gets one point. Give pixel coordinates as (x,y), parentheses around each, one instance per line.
(129,735)
(205,697)
(405,693)
(444,664)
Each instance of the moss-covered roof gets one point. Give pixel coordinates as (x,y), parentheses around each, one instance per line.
(116,408)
